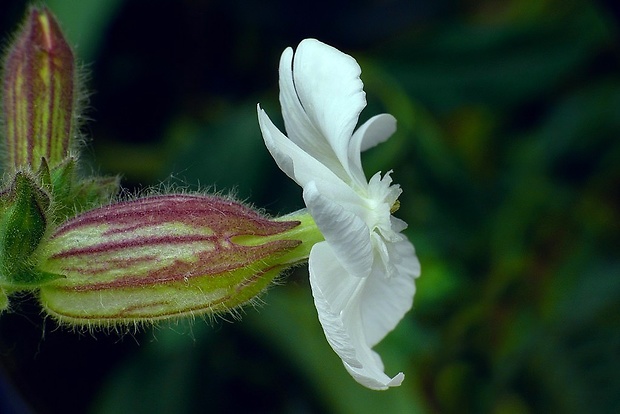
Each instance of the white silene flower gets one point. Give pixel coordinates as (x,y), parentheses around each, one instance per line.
(362,274)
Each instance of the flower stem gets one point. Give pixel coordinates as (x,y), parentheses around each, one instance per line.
(307,232)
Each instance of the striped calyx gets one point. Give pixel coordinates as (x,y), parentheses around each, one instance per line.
(160,257)
(39,93)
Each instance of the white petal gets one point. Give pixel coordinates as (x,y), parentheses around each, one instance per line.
(372,132)
(397,224)
(375,131)
(330,94)
(299,127)
(375,379)
(291,159)
(332,289)
(338,298)
(346,233)
(381,188)
(387,299)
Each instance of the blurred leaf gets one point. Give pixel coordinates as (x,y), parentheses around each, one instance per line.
(289,324)
(84,22)
(227,152)
(496,64)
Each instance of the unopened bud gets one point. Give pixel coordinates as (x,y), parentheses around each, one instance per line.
(38,99)
(163,256)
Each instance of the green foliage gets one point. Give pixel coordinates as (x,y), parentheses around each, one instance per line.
(84,22)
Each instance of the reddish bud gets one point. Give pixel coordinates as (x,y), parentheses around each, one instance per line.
(162,256)
(39,89)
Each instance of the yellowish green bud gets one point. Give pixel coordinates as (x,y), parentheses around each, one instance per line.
(39,94)
(161,257)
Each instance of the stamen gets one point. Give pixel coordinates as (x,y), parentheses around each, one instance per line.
(395,207)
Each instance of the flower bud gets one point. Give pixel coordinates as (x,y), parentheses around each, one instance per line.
(38,99)
(163,256)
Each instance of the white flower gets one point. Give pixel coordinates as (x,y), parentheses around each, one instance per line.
(362,275)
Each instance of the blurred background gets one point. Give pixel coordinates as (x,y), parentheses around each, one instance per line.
(507,152)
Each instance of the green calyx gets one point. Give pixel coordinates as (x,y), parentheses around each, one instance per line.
(23,224)
(307,232)
(72,193)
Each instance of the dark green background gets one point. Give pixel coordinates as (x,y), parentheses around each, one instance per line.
(508,155)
